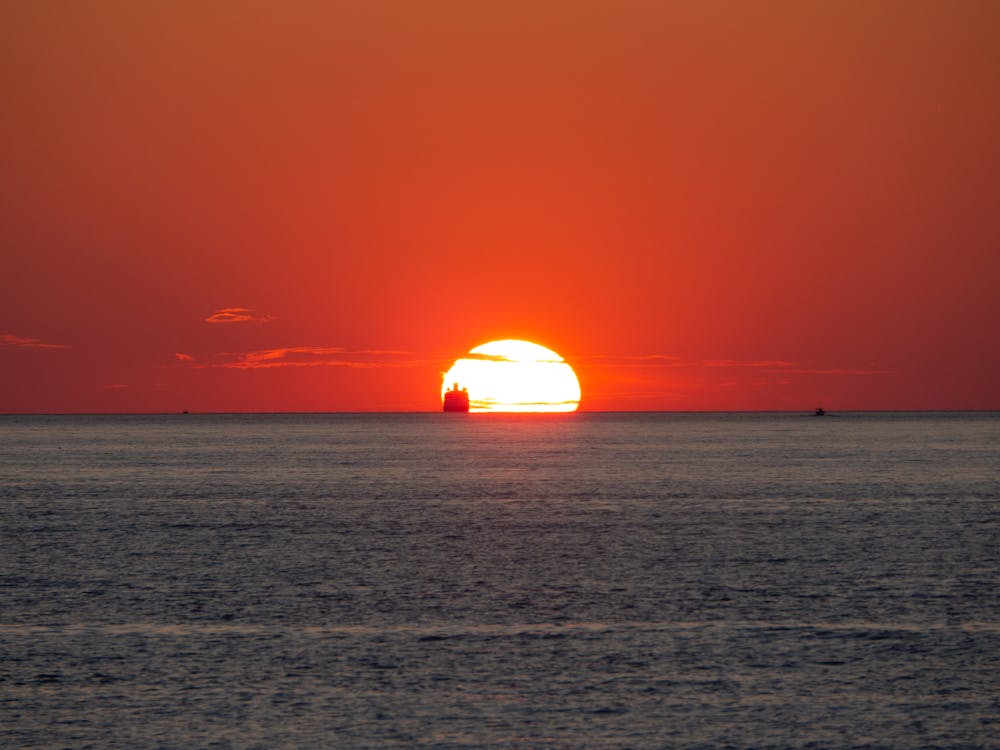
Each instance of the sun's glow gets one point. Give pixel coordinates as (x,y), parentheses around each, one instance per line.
(515,376)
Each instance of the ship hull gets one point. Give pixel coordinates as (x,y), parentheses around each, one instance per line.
(456,400)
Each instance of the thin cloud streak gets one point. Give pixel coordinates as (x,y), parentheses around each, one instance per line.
(238,315)
(834,371)
(766,363)
(627,358)
(669,360)
(337,356)
(316,356)
(290,356)
(782,366)
(490,403)
(502,358)
(9,339)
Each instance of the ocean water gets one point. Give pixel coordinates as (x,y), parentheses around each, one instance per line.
(487,581)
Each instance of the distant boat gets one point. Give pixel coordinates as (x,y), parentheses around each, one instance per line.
(456,400)
(820,412)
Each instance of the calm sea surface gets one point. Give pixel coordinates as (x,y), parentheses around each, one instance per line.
(464,581)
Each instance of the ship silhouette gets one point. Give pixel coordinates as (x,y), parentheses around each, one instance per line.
(456,400)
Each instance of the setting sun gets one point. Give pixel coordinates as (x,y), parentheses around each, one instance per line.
(513,376)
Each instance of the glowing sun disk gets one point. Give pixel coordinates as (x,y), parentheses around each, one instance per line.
(515,376)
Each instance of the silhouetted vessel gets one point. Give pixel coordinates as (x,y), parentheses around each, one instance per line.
(820,412)
(456,400)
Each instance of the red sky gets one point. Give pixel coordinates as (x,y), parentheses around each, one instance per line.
(315,206)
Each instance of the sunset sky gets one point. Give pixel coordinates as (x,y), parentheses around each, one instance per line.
(318,206)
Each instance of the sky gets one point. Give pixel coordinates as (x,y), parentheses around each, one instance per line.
(318,206)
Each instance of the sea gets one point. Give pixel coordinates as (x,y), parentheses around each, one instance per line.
(590,580)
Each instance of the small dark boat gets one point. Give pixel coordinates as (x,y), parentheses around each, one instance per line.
(456,400)
(820,412)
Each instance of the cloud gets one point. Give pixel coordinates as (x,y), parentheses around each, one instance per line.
(835,371)
(765,363)
(9,339)
(781,366)
(667,359)
(670,360)
(502,358)
(338,356)
(289,356)
(116,386)
(238,315)
(316,356)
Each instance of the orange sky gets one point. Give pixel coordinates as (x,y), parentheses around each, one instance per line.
(237,206)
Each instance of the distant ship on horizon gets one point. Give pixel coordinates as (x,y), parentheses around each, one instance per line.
(456,400)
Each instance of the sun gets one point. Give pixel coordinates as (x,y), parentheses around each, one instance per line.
(512,376)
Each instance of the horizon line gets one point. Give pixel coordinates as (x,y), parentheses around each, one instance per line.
(189,413)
